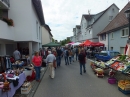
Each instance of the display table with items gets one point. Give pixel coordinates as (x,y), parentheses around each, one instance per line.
(121,63)
(17,64)
(10,82)
(119,71)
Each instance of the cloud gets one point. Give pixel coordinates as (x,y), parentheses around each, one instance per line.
(63,15)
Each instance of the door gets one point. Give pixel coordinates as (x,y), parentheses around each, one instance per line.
(122,50)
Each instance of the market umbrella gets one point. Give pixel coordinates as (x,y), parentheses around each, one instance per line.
(99,44)
(71,43)
(51,44)
(128,50)
(77,43)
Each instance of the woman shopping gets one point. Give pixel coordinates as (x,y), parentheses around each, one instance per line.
(37,61)
(70,55)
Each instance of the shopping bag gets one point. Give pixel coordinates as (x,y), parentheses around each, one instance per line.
(54,63)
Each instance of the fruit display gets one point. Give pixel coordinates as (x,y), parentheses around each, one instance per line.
(109,62)
(124,84)
(100,64)
(120,63)
(99,72)
(127,70)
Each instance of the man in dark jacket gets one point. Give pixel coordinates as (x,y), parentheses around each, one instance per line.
(82,61)
(58,58)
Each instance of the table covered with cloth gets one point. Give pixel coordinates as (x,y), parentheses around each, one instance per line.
(13,89)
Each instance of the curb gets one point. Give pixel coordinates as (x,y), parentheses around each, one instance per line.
(34,88)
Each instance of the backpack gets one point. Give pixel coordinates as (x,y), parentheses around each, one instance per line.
(67,53)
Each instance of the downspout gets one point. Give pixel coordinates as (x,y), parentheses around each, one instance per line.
(108,42)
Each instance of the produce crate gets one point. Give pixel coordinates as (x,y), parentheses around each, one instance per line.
(124,91)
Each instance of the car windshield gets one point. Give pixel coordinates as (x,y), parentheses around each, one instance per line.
(103,53)
(113,54)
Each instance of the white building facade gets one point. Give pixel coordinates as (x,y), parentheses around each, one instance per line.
(92,24)
(27,16)
(46,35)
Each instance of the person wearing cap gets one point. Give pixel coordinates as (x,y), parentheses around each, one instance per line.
(37,62)
(49,60)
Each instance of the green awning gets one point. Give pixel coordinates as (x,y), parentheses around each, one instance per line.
(51,44)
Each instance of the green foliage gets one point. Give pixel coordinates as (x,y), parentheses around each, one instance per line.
(65,41)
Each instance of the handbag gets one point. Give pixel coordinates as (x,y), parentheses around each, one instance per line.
(54,63)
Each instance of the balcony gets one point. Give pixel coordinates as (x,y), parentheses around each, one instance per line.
(4,4)
(6,31)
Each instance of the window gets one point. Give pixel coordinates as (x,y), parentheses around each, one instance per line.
(125,32)
(39,32)
(113,54)
(113,10)
(112,36)
(112,48)
(110,18)
(37,28)
(103,37)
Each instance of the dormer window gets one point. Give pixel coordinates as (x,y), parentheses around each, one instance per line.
(110,18)
(113,10)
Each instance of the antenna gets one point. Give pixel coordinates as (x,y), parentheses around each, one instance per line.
(89,11)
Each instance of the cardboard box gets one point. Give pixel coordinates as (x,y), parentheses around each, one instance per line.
(26,90)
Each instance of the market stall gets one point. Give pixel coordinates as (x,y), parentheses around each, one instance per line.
(14,83)
(119,67)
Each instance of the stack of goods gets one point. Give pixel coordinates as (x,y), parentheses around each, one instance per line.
(109,62)
(26,87)
(99,72)
(119,66)
(4,84)
(127,70)
(18,63)
(124,86)
(100,64)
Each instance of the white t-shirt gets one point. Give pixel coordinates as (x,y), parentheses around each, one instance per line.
(16,55)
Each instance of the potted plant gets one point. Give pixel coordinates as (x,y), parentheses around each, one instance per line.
(8,21)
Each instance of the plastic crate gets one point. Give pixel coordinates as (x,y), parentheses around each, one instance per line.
(124,91)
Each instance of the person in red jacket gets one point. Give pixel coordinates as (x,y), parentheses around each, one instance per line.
(37,61)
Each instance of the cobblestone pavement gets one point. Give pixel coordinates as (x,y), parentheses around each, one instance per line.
(69,83)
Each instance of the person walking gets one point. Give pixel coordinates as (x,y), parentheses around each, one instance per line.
(55,54)
(70,55)
(77,52)
(66,56)
(82,61)
(16,54)
(58,58)
(37,62)
(73,54)
(49,60)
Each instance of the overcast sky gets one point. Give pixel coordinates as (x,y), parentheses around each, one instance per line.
(63,15)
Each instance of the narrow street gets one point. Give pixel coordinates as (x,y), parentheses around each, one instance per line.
(69,83)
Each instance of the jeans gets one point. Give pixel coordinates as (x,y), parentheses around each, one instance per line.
(70,59)
(81,68)
(37,69)
(76,56)
(58,59)
(66,60)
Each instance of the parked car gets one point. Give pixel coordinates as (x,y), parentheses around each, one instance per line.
(106,55)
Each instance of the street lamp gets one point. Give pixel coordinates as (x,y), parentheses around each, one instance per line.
(127,12)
